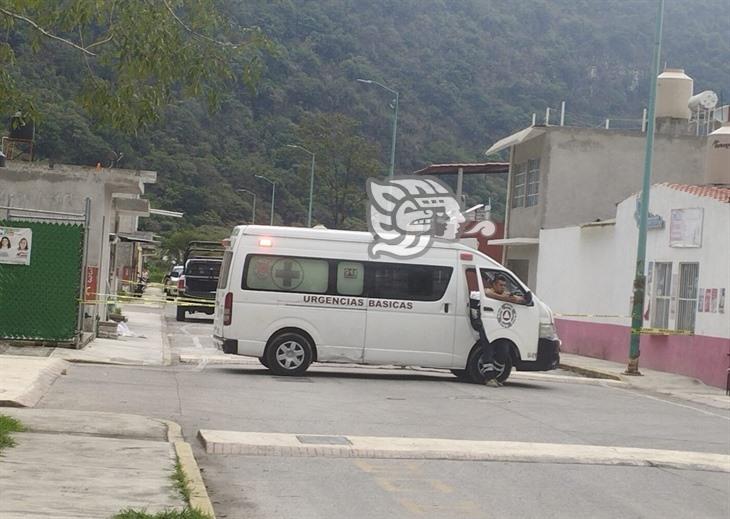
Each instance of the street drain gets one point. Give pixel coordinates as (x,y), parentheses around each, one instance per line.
(323,440)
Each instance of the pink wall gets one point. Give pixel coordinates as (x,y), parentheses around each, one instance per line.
(698,356)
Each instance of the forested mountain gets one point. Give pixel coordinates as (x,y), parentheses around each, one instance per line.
(468,72)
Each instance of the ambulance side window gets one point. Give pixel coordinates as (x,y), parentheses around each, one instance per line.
(502,286)
(408,282)
(350,278)
(286,274)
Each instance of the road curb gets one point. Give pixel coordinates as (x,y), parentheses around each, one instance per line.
(277,444)
(199,498)
(166,349)
(30,394)
(591,372)
(531,376)
(174,431)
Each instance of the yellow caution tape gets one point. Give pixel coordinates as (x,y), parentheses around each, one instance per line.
(100,298)
(603,316)
(134,283)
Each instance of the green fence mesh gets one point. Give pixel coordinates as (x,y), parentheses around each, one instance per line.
(40,301)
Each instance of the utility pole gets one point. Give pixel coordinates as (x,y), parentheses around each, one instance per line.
(273,196)
(637,318)
(311,181)
(395,120)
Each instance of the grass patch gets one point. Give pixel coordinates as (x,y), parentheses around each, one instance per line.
(180,480)
(187,513)
(8,425)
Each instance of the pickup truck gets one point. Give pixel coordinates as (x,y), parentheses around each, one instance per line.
(198,283)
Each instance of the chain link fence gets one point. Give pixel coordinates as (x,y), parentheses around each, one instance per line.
(40,301)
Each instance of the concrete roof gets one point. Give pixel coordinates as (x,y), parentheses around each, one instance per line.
(516,138)
(116,174)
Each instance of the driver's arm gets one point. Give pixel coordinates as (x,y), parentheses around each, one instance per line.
(494,295)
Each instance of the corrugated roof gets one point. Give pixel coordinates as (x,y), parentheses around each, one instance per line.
(481,168)
(719,193)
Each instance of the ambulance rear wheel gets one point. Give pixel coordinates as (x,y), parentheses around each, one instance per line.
(180,314)
(289,354)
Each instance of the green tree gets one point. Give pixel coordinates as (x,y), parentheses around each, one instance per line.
(136,55)
(175,243)
(344,161)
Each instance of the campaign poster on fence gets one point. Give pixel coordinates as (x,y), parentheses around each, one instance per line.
(15,245)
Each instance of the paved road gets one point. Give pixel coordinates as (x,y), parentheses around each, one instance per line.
(412,404)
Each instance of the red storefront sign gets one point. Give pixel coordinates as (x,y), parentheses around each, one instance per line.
(91,283)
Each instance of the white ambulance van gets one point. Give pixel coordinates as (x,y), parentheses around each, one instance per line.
(292,296)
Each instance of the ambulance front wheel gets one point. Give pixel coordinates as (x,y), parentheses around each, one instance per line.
(289,354)
(501,355)
(461,374)
(507,370)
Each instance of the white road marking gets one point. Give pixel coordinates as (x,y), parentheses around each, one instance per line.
(676,404)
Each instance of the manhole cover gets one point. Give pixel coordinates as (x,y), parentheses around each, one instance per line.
(323,440)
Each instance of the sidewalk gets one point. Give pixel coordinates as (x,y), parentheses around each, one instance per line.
(24,380)
(147,349)
(660,382)
(82,464)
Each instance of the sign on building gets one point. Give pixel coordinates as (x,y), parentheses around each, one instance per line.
(15,245)
(685,229)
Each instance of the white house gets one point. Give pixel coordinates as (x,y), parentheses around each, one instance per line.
(585,273)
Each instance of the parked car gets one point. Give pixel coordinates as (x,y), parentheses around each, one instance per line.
(171,280)
(197,285)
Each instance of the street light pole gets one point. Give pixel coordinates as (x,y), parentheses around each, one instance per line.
(273,196)
(637,318)
(311,181)
(395,119)
(253,209)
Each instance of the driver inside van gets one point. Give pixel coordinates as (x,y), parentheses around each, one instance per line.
(498,290)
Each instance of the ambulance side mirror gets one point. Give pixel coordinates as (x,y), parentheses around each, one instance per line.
(528,298)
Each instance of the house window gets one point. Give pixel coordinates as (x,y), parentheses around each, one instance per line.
(518,189)
(526,186)
(662,291)
(533,182)
(688,277)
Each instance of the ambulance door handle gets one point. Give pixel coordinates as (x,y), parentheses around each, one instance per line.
(488,309)
(446,308)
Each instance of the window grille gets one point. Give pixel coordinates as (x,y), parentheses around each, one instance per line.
(533,182)
(662,292)
(688,278)
(518,190)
